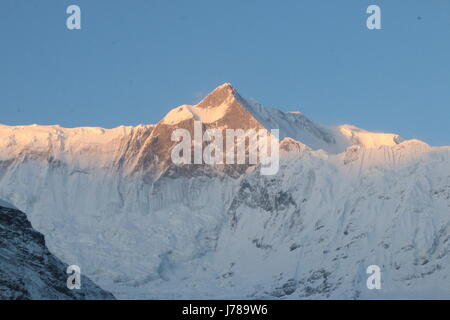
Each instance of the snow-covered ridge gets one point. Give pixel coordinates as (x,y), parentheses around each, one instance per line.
(369,139)
(216,107)
(147,148)
(223,108)
(82,148)
(39,137)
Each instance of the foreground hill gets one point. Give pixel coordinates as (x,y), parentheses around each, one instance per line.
(28,270)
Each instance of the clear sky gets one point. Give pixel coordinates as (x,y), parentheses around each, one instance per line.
(134,60)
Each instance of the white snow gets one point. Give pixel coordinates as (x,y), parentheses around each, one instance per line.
(369,139)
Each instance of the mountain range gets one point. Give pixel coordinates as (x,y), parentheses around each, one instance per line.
(141,227)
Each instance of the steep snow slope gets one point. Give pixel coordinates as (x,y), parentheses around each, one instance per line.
(317,225)
(344,198)
(313,229)
(28,270)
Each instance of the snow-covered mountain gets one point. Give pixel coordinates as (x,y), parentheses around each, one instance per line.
(28,270)
(112,202)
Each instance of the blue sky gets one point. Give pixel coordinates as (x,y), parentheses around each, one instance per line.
(133,61)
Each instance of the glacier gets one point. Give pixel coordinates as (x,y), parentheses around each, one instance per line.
(110,201)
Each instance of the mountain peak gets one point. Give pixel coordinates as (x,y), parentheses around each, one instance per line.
(223,93)
(225,85)
(223,104)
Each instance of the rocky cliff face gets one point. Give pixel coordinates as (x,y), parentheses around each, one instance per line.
(28,270)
